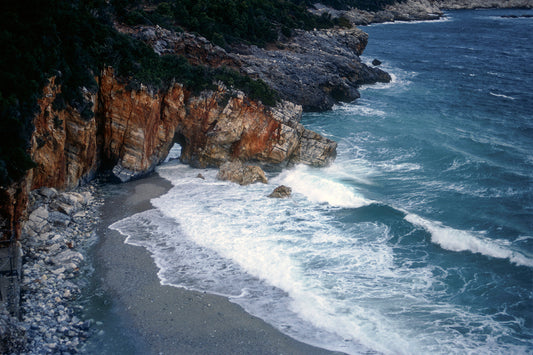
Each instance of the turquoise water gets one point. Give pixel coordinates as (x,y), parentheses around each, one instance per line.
(418,239)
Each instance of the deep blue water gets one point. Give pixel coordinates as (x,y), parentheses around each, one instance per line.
(418,239)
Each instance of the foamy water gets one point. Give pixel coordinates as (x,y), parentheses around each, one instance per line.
(417,240)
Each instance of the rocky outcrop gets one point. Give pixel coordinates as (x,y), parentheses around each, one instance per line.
(315,69)
(281,191)
(196,49)
(240,173)
(133,130)
(482,4)
(416,10)
(410,10)
(136,127)
(64,145)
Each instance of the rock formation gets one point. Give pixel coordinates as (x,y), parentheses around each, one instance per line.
(417,10)
(482,4)
(133,130)
(314,69)
(240,173)
(281,191)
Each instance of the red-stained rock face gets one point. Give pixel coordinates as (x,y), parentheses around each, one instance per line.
(133,130)
(63,144)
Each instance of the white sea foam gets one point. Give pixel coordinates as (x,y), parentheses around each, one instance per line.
(174,153)
(335,285)
(359,108)
(399,167)
(319,188)
(501,95)
(445,18)
(459,240)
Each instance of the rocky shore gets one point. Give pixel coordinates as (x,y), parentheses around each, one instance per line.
(134,129)
(60,228)
(417,10)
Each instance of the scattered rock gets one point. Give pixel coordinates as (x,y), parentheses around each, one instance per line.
(236,171)
(59,219)
(52,261)
(376,62)
(281,191)
(48,192)
(200,176)
(13,338)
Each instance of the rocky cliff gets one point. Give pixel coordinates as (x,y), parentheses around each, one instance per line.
(416,10)
(314,69)
(133,130)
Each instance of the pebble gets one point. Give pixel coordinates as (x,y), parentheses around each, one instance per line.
(54,245)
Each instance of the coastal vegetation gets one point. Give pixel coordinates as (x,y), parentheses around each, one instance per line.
(369,5)
(74,40)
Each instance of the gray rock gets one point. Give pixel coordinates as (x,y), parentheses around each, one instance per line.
(67,256)
(39,215)
(315,69)
(314,149)
(235,171)
(62,207)
(124,174)
(281,191)
(58,218)
(48,192)
(73,198)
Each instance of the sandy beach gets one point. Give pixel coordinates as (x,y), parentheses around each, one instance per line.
(140,316)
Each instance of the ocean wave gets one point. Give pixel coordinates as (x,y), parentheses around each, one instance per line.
(320,189)
(400,167)
(501,95)
(359,109)
(458,164)
(459,240)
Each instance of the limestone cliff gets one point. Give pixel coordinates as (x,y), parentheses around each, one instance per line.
(133,130)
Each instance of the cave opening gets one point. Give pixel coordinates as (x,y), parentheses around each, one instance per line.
(178,145)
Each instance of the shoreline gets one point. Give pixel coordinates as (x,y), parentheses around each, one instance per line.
(147,317)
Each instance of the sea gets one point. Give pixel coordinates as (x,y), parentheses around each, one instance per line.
(418,239)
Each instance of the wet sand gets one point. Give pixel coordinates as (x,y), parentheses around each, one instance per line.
(157,319)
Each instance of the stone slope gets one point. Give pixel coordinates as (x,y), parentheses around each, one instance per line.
(314,69)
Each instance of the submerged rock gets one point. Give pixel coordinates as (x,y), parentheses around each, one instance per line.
(236,171)
(281,191)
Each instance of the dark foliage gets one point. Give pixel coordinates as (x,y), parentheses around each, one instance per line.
(225,21)
(74,40)
(369,5)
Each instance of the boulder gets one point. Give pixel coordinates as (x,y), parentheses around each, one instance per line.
(236,171)
(59,219)
(281,191)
